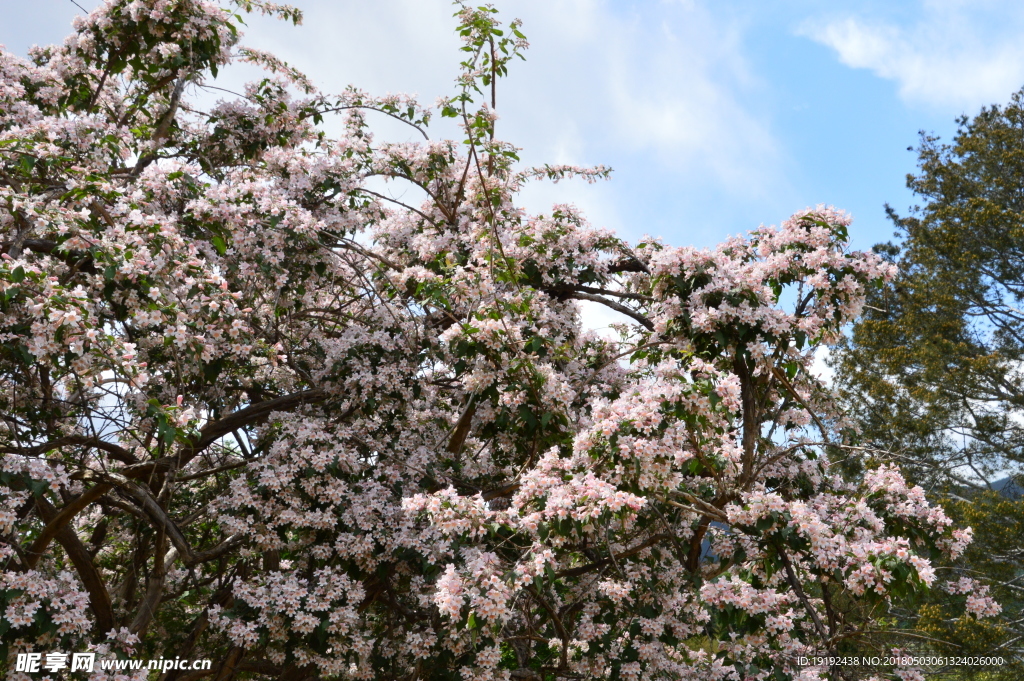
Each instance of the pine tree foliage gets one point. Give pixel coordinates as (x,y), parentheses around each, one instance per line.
(933,370)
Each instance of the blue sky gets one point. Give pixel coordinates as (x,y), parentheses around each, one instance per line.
(716,116)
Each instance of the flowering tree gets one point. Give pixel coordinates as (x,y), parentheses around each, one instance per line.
(254,410)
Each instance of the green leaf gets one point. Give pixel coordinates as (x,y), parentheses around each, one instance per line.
(218,243)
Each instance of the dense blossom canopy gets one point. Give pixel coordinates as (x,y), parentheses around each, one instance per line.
(255,409)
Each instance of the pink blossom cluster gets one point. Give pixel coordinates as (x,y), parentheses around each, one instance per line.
(978,603)
(287,604)
(59,598)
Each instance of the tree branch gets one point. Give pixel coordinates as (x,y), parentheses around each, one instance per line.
(583,569)
(99,598)
(618,307)
(59,521)
(116,452)
(251,415)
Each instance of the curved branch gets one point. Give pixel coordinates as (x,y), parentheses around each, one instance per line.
(59,521)
(74,258)
(777,373)
(154,592)
(798,590)
(617,294)
(423,215)
(335,109)
(699,507)
(99,598)
(584,569)
(618,307)
(117,452)
(347,244)
(248,416)
(630,264)
(226,546)
(568,289)
(152,510)
(211,471)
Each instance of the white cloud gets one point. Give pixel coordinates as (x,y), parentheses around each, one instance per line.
(677,84)
(602,81)
(659,90)
(957,54)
